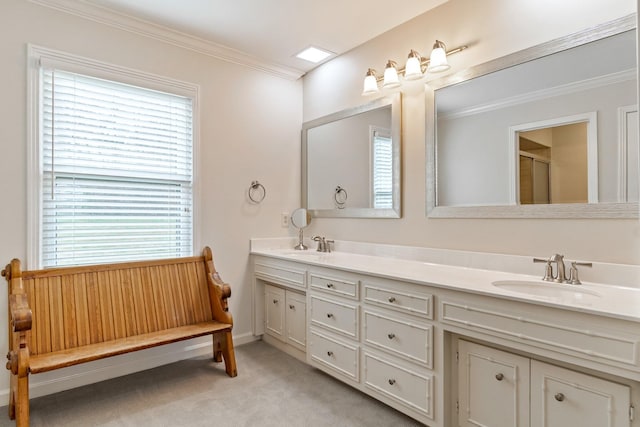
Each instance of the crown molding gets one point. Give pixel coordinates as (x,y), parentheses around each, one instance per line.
(168,35)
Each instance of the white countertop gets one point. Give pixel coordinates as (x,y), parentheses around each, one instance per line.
(601,299)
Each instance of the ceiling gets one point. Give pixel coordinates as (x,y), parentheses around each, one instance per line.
(273,31)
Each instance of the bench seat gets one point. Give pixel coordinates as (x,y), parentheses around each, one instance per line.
(74,356)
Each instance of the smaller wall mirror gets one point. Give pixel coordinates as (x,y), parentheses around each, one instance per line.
(300,219)
(351,162)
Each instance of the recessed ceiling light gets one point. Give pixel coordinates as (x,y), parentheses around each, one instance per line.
(314,54)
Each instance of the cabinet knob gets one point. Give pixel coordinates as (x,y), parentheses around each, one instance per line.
(391,336)
(392,381)
(392,299)
(329,315)
(559,397)
(330,353)
(329,285)
(292,307)
(275,301)
(499,377)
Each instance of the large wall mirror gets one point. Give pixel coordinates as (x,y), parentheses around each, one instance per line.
(351,162)
(548,132)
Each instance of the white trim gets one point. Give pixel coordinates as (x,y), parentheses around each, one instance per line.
(88,373)
(168,35)
(592,83)
(623,148)
(591,118)
(37,55)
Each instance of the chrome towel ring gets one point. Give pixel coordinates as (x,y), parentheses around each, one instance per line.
(340,196)
(257,192)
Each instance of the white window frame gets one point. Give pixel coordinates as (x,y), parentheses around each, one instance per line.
(38,56)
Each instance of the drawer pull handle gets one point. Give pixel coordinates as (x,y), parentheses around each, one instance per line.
(275,301)
(329,285)
(559,397)
(499,377)
(392,299)
(330,353)
(392,381)
(391,336)
(292,307)
(329,315)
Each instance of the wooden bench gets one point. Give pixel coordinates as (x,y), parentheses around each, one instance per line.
(61,317)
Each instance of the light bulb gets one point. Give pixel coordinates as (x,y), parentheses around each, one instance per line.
(391,79)
(413,68)
(370,83)
(438,59)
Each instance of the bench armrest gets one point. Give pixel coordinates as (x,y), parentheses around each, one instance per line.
(218,290)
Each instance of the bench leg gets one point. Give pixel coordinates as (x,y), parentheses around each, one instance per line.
(223,348)
(19,400)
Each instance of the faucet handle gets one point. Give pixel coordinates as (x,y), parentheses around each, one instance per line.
(573,272)
(548,271)
(328,245)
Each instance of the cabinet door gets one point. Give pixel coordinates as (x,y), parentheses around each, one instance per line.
(274,300)
(561,397)
(296,319)
(493,387)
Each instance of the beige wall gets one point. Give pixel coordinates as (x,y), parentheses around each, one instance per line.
(250,121)
(491,28)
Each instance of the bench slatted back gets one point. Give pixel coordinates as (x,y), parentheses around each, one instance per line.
(86,305)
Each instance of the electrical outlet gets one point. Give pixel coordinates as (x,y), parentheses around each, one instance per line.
(284,219)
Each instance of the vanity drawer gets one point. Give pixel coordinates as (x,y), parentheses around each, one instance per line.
(335,316)
(573,334)
(407,387)
(401,300)
(337,286)
(408,340)
(280,274)
(340,357)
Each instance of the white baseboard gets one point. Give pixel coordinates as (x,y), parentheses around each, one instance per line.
(112,367)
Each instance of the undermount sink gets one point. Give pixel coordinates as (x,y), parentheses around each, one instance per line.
(559,291)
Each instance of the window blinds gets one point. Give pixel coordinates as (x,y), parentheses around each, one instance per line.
(117,172)
(382,172)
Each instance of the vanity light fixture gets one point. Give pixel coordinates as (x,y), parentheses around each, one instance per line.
(414,69)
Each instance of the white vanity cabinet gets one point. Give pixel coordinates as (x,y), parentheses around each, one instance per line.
(334,327)
(498,388)
(398,345)
(493,387)
(280,305)
(395,337)
(285,315)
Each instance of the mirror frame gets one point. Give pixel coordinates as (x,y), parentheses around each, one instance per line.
(569,210)
(393,100)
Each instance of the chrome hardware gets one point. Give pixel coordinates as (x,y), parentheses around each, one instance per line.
(499,377)
(330,285)
(560,275)
(573,272)
(392,381)
(324,245)
(330,353)
(292,307)
(329,315)
(548,272)
(392,299)
(559,397)
(391,336)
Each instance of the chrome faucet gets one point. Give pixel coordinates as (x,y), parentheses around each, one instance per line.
(324,245)
(560,276)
